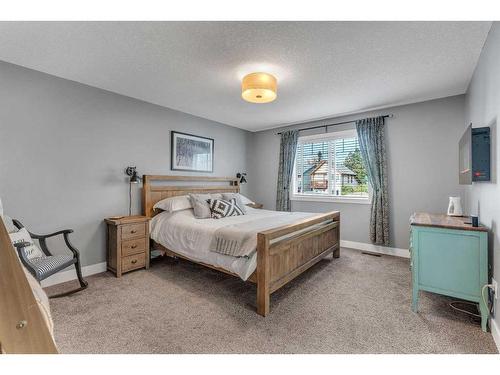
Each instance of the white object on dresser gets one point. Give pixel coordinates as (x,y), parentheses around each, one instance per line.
(455,207)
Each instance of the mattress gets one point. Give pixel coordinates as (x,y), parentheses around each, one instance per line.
(186,235)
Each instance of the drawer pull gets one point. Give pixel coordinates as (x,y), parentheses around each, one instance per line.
(133,246)
(133,231)
(134,261)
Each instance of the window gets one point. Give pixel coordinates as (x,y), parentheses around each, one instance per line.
(330,166)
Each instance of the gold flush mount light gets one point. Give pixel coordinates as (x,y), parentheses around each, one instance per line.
(259,88)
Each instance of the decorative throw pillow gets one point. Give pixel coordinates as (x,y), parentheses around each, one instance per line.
(200,205)
(220,208)
(173,204)
(32,251)
(237,197)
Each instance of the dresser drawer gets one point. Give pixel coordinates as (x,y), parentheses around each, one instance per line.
(133,231)
(450,261)
(134,246)
(133,262)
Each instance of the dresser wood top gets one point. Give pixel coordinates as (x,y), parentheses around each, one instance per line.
(120,220)
(444,221)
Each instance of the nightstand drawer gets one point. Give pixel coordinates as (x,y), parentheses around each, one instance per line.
(133,262)
(134,246)
(133,231)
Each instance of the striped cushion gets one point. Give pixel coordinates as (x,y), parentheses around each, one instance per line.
(46,266)
(220,208)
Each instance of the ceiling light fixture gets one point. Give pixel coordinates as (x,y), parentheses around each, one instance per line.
(259,88)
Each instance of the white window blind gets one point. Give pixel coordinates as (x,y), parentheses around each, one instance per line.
(330,165)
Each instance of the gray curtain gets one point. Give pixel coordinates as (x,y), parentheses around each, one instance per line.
(372,146)
(288,148)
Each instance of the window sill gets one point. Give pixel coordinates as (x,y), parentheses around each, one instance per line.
(331,199)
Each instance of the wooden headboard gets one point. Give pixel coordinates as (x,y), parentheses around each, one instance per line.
(167,186)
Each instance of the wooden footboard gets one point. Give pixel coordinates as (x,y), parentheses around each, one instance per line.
(284,253)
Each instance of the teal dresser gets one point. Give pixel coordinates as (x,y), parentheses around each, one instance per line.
(449,257)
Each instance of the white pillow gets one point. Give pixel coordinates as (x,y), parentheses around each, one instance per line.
(201,208)
(32,251)
(7,220)
(240,198)
(173,204)
(245,200)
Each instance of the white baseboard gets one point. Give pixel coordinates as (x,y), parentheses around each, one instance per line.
(404,253)
(70,274)
(495,332)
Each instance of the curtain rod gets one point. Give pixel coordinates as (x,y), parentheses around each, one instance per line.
(336,123)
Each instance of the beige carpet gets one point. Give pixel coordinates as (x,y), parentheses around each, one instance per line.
(355,304)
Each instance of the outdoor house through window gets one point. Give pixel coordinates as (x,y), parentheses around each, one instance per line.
(330,166)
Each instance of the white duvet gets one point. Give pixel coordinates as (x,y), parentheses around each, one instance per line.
(183,233)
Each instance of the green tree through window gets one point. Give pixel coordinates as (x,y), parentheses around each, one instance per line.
(354,162)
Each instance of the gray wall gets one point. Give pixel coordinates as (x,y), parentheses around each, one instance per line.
(64,147)
(422,149)
(483,109)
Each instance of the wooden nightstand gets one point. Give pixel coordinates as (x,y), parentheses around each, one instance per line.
(128,244)
(255,205)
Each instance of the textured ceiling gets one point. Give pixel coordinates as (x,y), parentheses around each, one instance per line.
(323,68)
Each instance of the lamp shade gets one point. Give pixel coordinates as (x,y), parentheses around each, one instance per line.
(132,173)
(259,88)
(135,179)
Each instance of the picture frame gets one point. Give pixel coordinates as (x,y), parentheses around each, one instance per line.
(189,152)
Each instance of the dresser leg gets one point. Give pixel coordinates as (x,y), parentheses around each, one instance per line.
(414,304)
(484,315)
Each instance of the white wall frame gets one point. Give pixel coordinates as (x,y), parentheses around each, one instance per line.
(351,133)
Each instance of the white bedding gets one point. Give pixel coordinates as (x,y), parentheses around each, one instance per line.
(183,233)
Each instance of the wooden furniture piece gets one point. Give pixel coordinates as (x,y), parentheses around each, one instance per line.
(255,205)
(50,264)
(128,244)
(283,253)
(22,327)
(449,257)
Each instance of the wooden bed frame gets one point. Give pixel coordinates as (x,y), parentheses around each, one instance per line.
(283,253)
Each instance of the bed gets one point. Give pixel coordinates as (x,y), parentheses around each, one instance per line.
(286,245)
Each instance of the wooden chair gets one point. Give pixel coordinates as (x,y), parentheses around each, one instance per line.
(49,264)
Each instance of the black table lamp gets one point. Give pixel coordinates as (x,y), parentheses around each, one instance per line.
(134,179)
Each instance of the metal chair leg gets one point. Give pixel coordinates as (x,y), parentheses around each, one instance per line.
(83,284)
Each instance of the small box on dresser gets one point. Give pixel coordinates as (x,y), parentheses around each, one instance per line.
(127,244)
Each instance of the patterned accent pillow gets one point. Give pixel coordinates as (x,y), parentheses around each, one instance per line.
(32,251)
(220,208)
(239,202)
